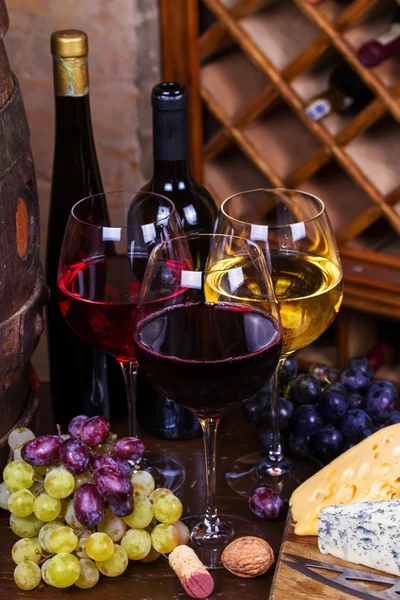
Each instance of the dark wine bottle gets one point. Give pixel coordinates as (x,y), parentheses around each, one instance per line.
(83,380)
(384,46)
(172,177)
(347,95)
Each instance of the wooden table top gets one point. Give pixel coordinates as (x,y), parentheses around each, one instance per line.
(156,581)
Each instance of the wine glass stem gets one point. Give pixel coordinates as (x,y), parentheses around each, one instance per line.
(275,450)
(209,427)
(130,370)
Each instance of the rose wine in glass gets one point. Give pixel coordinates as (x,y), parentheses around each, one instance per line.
(99,284)
(208,333)
(294,232)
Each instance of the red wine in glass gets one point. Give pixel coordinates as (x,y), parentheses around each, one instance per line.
(231,351)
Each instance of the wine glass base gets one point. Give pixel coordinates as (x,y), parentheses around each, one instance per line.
(255,470)
(167,472)
(209,547)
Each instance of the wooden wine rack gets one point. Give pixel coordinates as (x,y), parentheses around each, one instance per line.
(254,68)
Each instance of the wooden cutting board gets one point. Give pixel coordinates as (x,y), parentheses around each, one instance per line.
(289,584)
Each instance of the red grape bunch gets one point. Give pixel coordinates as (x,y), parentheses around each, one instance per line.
(82,506)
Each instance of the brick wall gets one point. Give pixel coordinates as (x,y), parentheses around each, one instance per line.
(124,64)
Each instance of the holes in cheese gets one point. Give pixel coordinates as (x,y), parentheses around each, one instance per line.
(368,471)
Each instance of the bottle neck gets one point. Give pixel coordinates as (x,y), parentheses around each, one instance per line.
(171,145)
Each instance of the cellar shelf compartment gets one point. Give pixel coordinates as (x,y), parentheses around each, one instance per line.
(230,173)
(235,79)
(281,139)
(389,70)
(269,30)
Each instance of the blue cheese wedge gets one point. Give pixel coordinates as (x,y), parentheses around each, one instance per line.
(365,533)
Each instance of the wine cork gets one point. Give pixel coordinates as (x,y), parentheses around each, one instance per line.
(193,575)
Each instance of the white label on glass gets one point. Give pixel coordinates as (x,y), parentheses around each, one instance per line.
(192,279)
(318,109)
(149,233)
(389,35)
(111,234)
(236,278)
(298,231)
(259,233)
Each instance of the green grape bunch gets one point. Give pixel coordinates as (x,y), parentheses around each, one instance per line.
(71,529)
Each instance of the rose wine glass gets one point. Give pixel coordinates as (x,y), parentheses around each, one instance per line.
(207,334)
(293,230)
(100,276)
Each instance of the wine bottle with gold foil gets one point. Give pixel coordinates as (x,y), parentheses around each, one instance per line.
(83,380)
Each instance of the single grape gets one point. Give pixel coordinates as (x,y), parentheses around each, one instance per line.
(124,466)
(21,503)
(85,477)
(25,527)
(142,514)
(266,504)
(46,508)
(361,364)
(286,410)
(63,570)
(45,532)
(300,444)
(332,406)
(354,380)
(307,420)
(129,448)
(27,575)
(183,532)
(88,505)
(320,372)
(165,538)
(390,389)
(122,508)
(99,546)
(63,539)
(18,437)
(103,460)
(59,483)
(136,543)
(26,549)
(43,451)
(288,372)
(379,404)
(81,548)
(18,475)
(152,556)
(253,408)
(159,492)
(116,565)
(112,484)
(334,375)
(328,442)
(44,571)
(113,526)
(167,508)
(143,483)
(95,431)
(5,493)
(355,401)
(74,455)
(89,574)
(305,389)
(70,516)
(356,425)
(76,425)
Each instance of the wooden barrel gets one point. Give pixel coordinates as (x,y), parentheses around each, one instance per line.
(22,289)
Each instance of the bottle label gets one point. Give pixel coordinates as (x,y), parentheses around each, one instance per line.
(71,76)
(389,35)
(318,109)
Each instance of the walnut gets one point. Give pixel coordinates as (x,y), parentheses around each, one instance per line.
(248,557)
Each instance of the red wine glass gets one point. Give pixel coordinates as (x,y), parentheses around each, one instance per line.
(100,277)
(208,333)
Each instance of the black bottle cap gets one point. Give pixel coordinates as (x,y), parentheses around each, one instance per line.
(169,96)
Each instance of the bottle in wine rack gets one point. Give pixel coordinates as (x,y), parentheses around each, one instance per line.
(172,178)
(347,94)
(83,380)
(384,46)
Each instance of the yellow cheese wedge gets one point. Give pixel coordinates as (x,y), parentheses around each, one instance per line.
(369,471)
